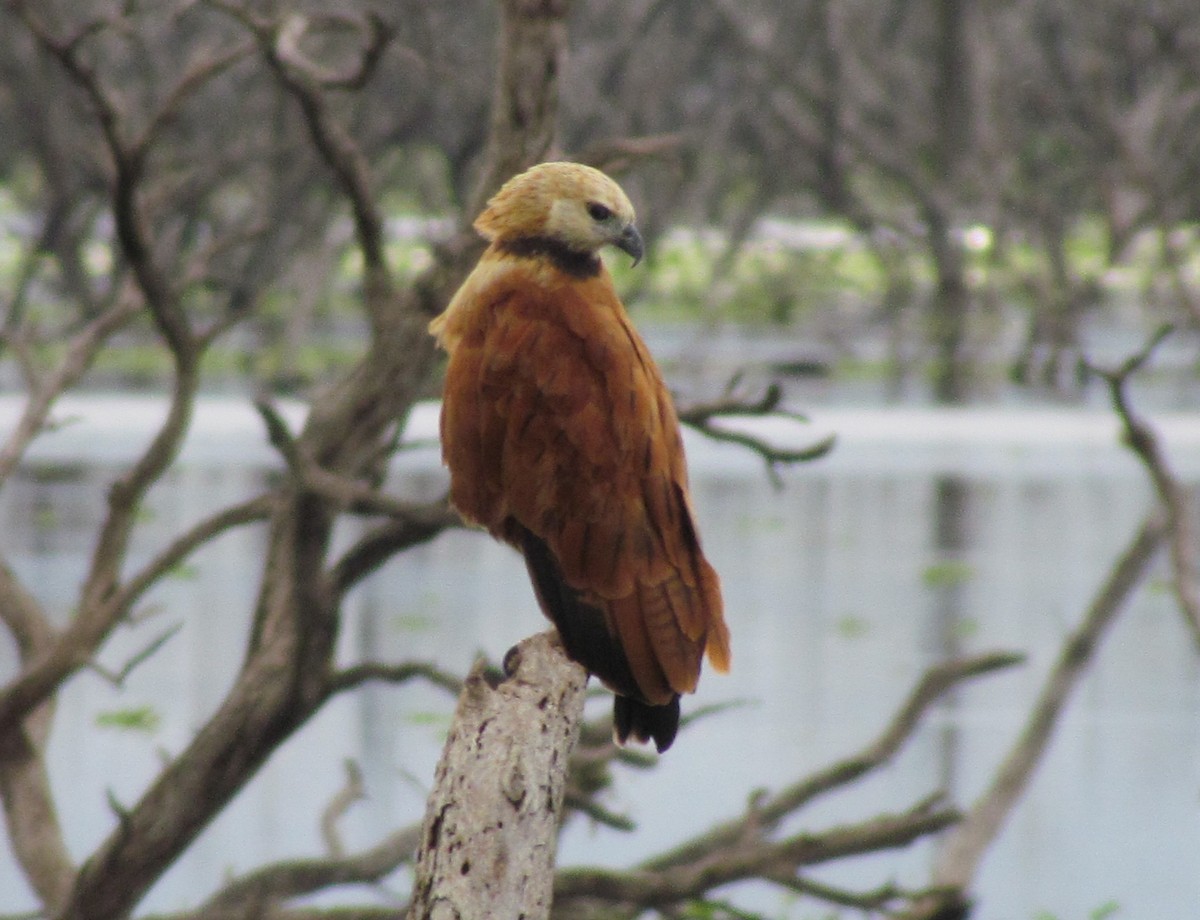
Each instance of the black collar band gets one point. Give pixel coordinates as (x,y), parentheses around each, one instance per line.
(572,261)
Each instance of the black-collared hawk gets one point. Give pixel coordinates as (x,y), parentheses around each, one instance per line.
(562,440)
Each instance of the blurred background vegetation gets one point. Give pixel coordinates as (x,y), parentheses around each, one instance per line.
(939,197)
(918,201)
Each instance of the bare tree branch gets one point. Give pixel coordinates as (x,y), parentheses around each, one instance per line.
(353,791)
(618,155)
(742,848)
(118,678)
(1172,494)
(635,890)
(767,812)
(200,72)
(356,675)
(345,493)
(200,534)
(30,816)
(267,888)
(376,35)
(965,846)
(524,115)
(81,352)
(704,417)
(96,617)
(24,616)
(416,525)
(489,835)
(278,45)
(128,161)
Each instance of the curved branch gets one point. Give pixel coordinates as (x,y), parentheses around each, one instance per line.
(768,812)
(356,675)
(414,524)
(81,352)
(277,43)
(704,418)
(248,512)
(377,35)
(1172,494)
(754,858)
(273,884)
(965,846)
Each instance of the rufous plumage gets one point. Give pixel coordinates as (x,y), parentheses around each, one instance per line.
(562,440)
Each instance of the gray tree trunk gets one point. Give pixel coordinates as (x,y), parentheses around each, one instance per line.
(488,843)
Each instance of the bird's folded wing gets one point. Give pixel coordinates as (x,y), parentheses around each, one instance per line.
(557,418)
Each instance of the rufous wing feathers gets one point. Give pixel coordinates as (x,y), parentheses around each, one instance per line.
(562,440)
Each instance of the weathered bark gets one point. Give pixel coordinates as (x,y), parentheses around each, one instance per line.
(488,843)
(288,671)
(28,804)
(533,44)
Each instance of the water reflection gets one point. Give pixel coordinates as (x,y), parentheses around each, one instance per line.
(921,536)
(946,580)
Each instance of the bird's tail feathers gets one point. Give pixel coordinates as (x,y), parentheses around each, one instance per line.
(586,637)
(634,719)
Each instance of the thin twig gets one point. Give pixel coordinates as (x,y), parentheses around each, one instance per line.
(884,897)
(200,72)
(356,675)
(769,811)
(965,846)
(353,791)
(704,418)
(410,525)
(203,532)
(1142,439)
(118,678)
(81,353)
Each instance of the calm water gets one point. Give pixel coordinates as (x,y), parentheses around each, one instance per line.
(840,590)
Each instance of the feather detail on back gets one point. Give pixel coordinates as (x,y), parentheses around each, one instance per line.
(562,440)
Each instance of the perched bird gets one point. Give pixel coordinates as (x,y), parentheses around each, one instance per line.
(562,440)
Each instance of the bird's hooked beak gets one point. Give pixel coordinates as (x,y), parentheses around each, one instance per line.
(630,241)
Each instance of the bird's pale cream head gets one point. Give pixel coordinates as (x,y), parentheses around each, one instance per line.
(574,205)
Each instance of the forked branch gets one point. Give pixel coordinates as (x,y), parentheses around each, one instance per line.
(706,418)
(745,848)
(966,845)
(1144,441)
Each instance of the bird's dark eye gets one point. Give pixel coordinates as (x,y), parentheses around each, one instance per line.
(598,212)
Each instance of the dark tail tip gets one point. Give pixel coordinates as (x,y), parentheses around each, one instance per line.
(642,722)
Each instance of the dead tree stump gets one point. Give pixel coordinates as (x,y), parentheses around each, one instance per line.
(488,842)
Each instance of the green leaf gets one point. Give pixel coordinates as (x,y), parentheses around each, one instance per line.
(947,573)
(139,719)
(852,627)
(184,572)
(414,622)
(436,719)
